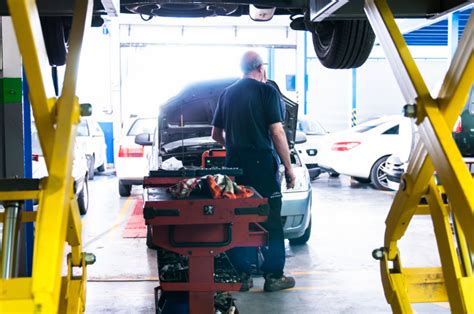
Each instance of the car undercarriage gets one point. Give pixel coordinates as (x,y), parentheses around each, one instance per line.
(342,36)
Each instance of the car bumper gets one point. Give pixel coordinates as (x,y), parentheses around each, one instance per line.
(296,208)
(131,170)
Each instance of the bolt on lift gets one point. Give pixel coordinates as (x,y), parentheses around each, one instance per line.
(451,201)
(57,219)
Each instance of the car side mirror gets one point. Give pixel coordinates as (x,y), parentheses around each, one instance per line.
(86,110)
(300,137)
(144,139)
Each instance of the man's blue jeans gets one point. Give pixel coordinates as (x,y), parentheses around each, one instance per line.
(260,171)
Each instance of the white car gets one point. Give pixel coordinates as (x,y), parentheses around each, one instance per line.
(79,170)
(91,140)
(131,164)
(308,151)
(361,152)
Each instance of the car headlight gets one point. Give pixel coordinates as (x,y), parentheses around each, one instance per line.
(302,179)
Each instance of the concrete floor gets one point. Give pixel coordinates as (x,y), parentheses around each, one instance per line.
(334,272)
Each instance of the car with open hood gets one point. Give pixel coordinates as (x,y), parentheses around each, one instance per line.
(183,131)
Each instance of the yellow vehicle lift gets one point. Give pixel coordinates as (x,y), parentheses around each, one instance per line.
(57,219)
(436,150)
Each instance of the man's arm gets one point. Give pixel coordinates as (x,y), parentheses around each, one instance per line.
(281,145)
(218,135)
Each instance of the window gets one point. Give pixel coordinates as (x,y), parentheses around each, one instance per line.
(311,127)
(142,126)
(393,130)
(367,126)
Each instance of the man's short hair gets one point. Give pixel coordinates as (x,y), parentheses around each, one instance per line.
(250,61)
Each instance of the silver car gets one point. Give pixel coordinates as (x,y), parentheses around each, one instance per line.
(184,132)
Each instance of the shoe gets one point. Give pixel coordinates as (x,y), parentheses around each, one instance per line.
(276,284)
(247,282)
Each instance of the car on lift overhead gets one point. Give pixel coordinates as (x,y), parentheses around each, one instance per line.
(342,35)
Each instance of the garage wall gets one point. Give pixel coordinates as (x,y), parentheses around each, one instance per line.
(329,97)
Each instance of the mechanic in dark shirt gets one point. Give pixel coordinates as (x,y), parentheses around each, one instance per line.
(248,121)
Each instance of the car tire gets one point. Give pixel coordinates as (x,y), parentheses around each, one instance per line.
(124,189)
(83,198)
(334,174)
(362,180)
(101,168)
(342,44)
(304,238)
(55,38)
(149,240)
(377,176)
(91,161)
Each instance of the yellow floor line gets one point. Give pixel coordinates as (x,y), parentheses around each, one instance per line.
(129,203)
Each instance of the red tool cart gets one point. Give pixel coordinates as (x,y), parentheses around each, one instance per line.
(200,228)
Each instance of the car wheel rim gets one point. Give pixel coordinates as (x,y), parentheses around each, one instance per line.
(381,175)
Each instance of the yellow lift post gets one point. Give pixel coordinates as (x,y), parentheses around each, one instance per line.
(436,150)
(57,219)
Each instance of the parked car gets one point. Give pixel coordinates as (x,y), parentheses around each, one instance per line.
(79,170)
(362,151)
(463,134)
(308,151)
(131,164)
(194,107)
(91,139)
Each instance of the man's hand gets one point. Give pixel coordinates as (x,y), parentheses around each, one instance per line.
(218,135)
(290,178)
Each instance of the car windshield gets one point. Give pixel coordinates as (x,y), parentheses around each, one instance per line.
(142,125)
(82,129)
(367,126)
(311,127)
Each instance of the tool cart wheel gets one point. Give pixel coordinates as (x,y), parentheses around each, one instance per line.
(149,240)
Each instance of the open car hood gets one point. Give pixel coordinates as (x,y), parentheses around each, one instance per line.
(189,114)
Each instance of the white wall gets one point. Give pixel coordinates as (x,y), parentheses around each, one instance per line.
(330,91)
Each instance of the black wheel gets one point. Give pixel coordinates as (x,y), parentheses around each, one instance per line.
(304,238)
(333,174)
(101,168)
(124,189)
(343,44)
(149,240)
(91,161)
(362,180)
(83,198)
(55,32)
(378,176)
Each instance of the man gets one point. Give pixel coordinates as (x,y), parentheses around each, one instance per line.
(248,122)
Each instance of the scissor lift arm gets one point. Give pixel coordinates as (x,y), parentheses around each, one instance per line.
(436,150)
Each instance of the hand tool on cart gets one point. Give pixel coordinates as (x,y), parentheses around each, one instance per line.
(200,228)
